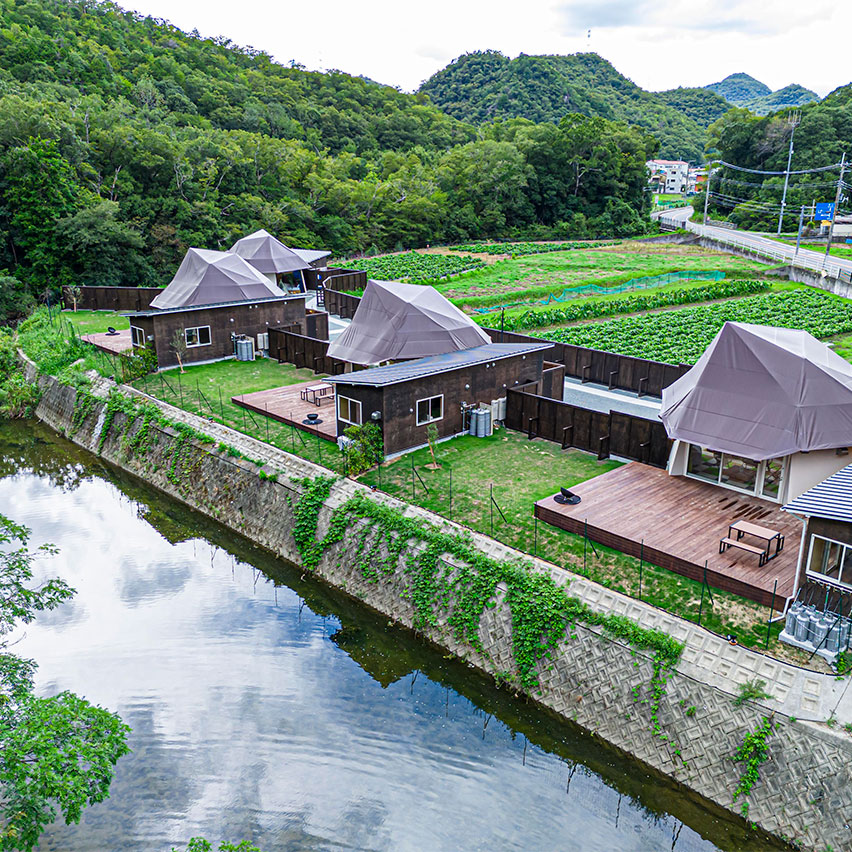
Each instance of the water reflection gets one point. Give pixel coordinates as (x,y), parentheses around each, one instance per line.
(267,707)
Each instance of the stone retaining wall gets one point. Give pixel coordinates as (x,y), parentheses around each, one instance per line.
(805,789)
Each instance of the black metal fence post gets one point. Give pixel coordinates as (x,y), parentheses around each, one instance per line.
(535,534)
(641,563)
(771,610)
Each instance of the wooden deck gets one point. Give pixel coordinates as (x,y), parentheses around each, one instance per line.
(680,521)
(286,406)
(115,344)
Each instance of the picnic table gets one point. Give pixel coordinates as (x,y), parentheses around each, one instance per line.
(764,534)
(317,393)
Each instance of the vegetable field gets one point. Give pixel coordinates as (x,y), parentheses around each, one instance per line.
(628,303)
(416,268)
(681,336)
(519,249)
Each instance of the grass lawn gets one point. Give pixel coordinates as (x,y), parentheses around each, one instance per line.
(207,389)
(91,322)
(523,471)
(535,276)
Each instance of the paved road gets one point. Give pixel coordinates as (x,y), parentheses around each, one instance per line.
(782,252)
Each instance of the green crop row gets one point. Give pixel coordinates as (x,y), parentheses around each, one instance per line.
(518,249)
(633,303)
(416,268)
(681,336)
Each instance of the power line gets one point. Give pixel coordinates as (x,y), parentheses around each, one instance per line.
(761,172)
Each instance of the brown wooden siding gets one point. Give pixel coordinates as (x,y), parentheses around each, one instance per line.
(398,402)
(251,319)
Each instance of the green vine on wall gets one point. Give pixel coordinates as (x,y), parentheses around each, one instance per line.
(752,752)
(541,609)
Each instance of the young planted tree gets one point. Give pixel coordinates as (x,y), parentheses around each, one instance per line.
(178,345)
(75,293)
(432,440)
(57,754)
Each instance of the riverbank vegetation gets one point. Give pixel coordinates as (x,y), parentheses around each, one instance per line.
(57,753)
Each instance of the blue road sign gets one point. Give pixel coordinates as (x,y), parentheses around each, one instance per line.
(824,212)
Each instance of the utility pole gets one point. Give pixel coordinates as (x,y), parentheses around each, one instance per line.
(707,191)
(793,120)
(836,205)
(799,235)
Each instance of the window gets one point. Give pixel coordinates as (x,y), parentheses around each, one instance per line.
(349,411)
(429,410)
(763,479)
(198,336)
(137,335)
(827,561)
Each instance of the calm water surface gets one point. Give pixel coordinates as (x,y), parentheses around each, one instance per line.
(267,707)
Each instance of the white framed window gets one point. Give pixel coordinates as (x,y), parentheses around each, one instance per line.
(430,409)
(761,478)
(349,411)
(137,335)
(830,561)
(199,336)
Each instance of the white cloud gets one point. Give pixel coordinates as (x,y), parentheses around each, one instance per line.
(658,45)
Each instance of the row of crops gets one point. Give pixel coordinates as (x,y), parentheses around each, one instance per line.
(589,308)
(681,336)
(526,248)
(416,268)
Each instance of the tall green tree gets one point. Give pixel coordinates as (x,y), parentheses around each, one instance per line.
(57,753)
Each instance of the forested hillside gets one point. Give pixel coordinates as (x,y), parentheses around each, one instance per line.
(124,140)
(743,90)
(487,86)
(762,143)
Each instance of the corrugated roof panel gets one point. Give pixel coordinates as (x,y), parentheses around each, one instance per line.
(831,498)
(408,370)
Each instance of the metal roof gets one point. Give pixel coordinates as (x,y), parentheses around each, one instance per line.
(831,498)
(284,297)
(409,370)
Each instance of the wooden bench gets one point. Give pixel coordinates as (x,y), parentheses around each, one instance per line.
(727,542)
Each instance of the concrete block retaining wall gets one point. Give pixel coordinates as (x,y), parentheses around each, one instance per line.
(805,789)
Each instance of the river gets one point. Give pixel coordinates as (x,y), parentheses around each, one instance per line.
(267,707)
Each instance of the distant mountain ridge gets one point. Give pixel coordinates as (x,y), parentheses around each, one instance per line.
(488,86)
(743,90)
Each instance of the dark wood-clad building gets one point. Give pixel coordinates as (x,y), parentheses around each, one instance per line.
(405,397)
(209,329)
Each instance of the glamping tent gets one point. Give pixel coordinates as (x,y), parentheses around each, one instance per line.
(396,321)
(757,400)
(268,255)
(211,278)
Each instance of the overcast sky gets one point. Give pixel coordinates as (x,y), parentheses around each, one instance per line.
(657,44)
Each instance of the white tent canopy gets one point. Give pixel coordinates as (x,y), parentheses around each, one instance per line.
(762,392)
(213,277)
(268,254)
(399,321)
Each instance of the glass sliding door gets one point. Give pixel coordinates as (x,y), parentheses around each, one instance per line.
(762,479)
(739,473)
(703,463)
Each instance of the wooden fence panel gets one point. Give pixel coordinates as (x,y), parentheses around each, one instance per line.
(97,298)
(343,305)
(290,347)
(604,434)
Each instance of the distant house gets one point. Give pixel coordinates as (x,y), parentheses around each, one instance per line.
(405,398)
(214,298)
(283,266)
(669,176)
(765,411)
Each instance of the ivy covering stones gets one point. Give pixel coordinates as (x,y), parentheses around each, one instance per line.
(752,753)
(448,575)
